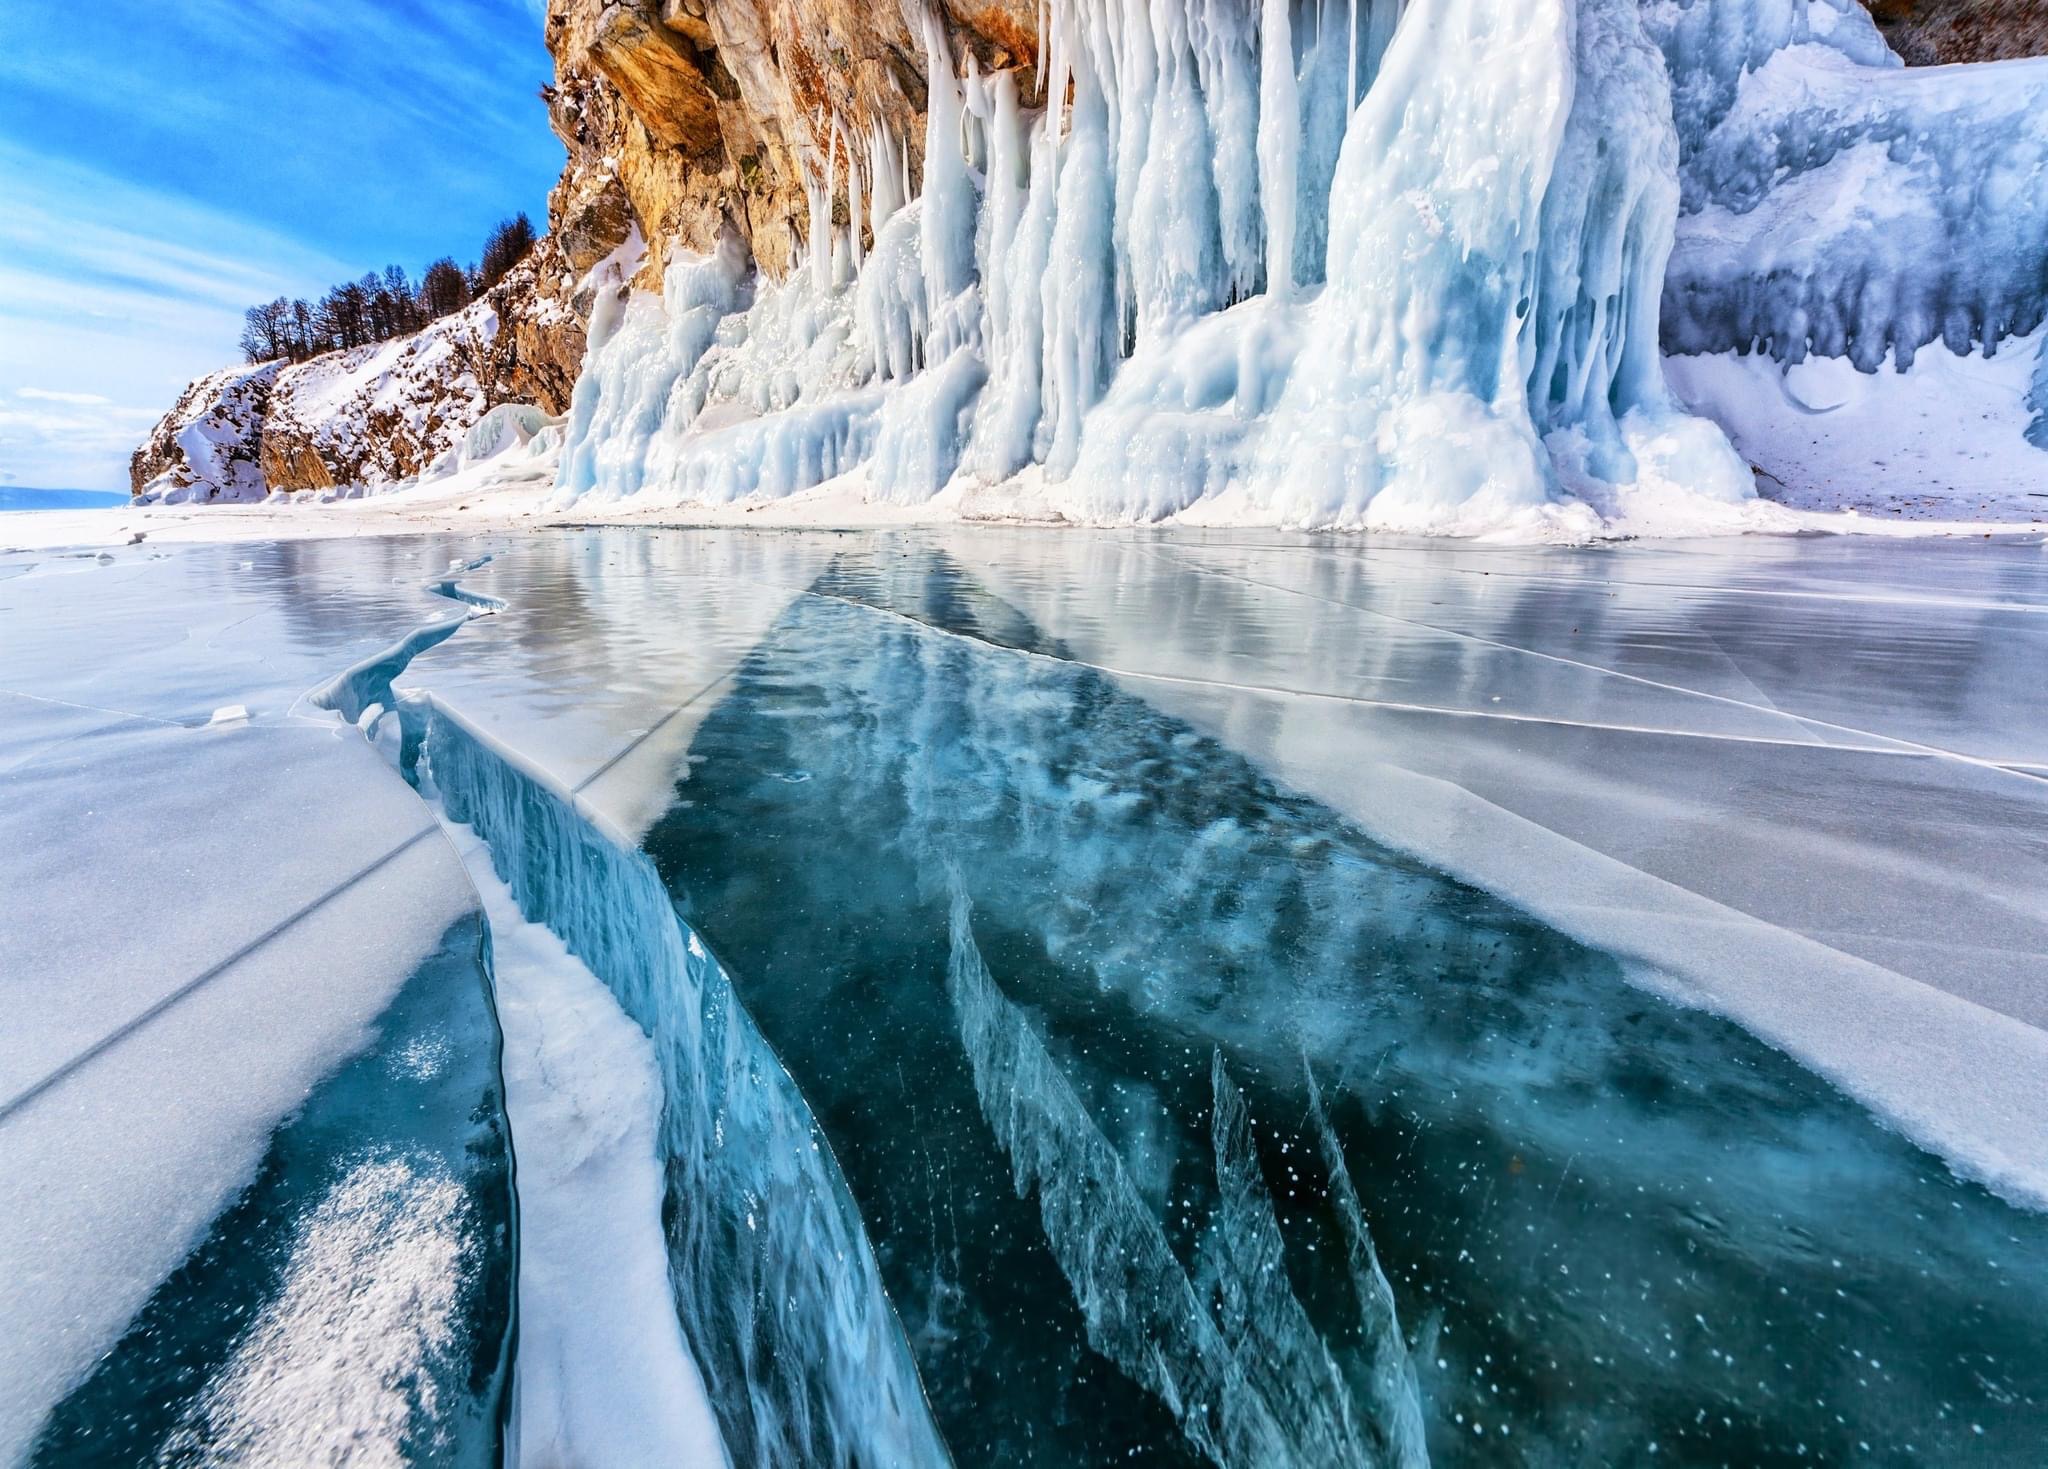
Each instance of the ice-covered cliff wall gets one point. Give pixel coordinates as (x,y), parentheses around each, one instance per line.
(1334,262)
(1861,271)
(1307,263)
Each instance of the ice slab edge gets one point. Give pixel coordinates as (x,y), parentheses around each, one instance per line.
(774,1278)
(603,1374)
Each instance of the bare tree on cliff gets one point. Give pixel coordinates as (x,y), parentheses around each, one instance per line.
(305,340)
(444,289)
(266,331)
(404,300)
(345,314)
(382,306)
(505,248)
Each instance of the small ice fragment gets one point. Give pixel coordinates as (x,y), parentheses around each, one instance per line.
(229,714)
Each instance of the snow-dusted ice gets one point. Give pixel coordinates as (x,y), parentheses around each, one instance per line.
(1007,995)
(248,1085)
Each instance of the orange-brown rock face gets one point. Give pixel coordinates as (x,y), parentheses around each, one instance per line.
(538,348)
(1941,32)
(707,110)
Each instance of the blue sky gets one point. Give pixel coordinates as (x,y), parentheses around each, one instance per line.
(166,163)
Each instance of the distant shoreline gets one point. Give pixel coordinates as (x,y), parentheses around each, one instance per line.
(23,497)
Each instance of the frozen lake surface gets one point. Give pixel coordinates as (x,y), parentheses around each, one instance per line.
(1244,998)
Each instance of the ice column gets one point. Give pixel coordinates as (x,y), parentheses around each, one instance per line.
(2037,398)
(946,239)
(1279,144)
(1595,373)
(1408,405)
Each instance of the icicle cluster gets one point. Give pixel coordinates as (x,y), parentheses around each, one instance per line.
(1319,262)
(1839,205)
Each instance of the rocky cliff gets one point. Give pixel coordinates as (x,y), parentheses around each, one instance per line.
(209,446)
(1943,32)
(690,112)
(687,113)
(377,414)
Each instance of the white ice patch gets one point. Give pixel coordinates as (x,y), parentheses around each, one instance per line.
(1947,439)
(603,1374)
(337,1367)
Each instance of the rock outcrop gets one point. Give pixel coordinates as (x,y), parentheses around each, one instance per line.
(1943,32)
(378,414)
(705,112)
(208,447)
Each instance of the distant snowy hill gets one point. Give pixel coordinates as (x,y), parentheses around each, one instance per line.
(370,416)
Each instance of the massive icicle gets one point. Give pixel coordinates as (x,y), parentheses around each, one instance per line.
(1321,268)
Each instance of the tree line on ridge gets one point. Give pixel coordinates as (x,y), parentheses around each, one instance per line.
(381,306)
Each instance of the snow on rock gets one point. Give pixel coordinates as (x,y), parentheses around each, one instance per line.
(206,448)
(378,414)
(371,417)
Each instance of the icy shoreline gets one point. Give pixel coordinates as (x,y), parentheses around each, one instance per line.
(495,497)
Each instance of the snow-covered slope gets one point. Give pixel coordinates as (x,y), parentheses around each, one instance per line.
(1947,439)
(370,417)
(375,415)
(207,446)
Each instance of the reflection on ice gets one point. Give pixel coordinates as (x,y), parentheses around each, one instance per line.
(1606,1221)
(1107,999)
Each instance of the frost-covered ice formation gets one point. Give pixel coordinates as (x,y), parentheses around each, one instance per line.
(1362,265)
(1839,206)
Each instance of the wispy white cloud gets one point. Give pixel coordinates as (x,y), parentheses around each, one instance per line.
(112,297)
(48,395)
